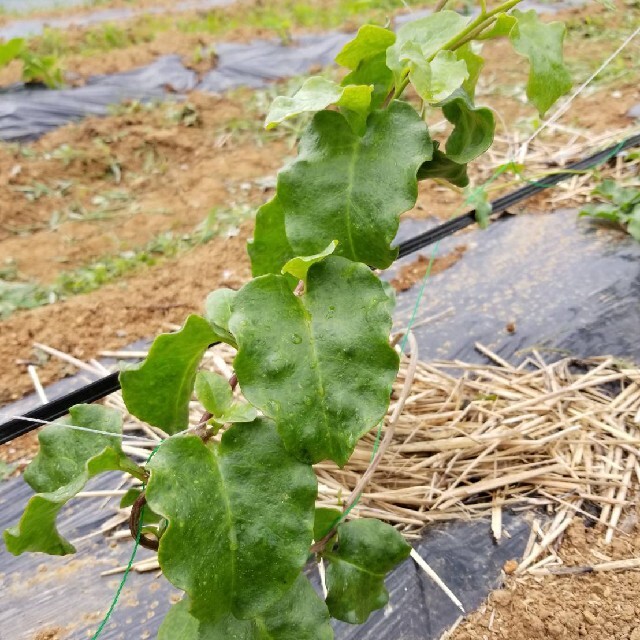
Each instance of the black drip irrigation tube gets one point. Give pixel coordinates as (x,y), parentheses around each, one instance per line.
(109,384)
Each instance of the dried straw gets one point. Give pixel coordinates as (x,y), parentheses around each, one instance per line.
(474,440)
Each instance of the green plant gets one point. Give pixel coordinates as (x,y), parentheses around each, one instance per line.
(235,493)
(36,67)
(618,204)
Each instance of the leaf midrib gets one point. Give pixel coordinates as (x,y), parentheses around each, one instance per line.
(337,558)
(320,384)
(355,154)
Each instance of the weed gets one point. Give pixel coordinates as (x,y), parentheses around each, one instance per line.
(618,204)
(185,114)
(37,190)
(67,154)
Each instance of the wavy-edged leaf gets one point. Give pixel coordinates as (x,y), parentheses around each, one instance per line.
(366,551)
(217,312)
(320,364)
(66,461)
(474,63)
(353,189)
(158,390)
(369,42)
(542,44)
(299,266)
(240,518)
(473,128)
(300,615)
(216,396)
(269,250)
(374,72)
(429,33)
(318,93)
(443,167)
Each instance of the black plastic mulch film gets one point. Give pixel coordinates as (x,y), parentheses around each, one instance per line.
(109,384)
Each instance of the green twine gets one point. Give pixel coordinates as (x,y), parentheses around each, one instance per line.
(136,545)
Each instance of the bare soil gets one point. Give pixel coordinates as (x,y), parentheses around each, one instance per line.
(168,177)
(591,606)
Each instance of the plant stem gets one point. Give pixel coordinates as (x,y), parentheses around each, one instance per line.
(440,6)
(135,524)
(476,26)
(384,445)
(484,18)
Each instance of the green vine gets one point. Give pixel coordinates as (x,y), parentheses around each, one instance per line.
(230,503)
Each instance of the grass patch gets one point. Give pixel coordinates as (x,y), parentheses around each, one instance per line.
(277,18)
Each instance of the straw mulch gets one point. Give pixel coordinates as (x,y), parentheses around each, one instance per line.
(473,440)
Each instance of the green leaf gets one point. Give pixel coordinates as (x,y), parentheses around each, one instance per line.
(542,44)
(318,93)
(65,462)
(448,73)
(474,63)
(214,392)
(429,33)
(633,226)
(300,615)
(473,128)
(366,551)
(353,189)
(501,28)
(240,518)
(10,50)
(298,267)
(369,42)
(216,396)
(179,624)
(373,72)
(435,80)
(478,198)
(158,390)
(442,166)
(320,364)
(608,212)
(624,197)
(355,106)
(217,312)
(269,250)
(391,293)
(130,497)
(325,519)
